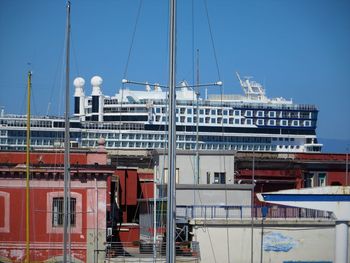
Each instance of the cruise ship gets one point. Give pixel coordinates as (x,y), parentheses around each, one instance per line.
(137,119)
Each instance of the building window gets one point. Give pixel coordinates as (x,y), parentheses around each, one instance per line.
(321,180)
(208,177)
(219,178)
(295,123)
(260,114)
(272,114)
(284,123)
(5,212)
(272,122)
(249,113)
(307,123)
(260,122)
(308,180)
(177,173)
(58,212)
(54,218)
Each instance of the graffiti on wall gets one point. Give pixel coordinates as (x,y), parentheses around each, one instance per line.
(277,242)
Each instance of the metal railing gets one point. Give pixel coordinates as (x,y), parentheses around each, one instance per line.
(245,212)
(143,252)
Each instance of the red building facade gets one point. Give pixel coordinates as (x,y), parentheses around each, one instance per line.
(104,204)
(273,172)
(88,206)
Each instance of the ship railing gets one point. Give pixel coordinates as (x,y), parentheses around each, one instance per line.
(245,212)
(238,104)
(130,251)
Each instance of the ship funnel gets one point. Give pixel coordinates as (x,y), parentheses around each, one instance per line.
(79,97)
(97,99)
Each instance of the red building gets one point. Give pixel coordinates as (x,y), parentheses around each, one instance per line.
(106,190)
(89,177)
(273,172)
(104,204)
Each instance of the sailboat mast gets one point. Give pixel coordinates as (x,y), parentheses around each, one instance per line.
(66,199)
(27,168)
(171,191)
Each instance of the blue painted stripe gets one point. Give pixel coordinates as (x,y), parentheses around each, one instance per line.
(306,197)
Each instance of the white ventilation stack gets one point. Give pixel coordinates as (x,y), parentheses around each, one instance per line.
(79,98)
(97,99)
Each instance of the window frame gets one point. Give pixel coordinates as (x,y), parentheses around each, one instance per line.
(219,178)
(77,228)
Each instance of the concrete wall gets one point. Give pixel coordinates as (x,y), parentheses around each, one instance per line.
(238,195)
(296,241)
(209,163)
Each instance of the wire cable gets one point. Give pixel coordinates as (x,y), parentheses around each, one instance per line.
(212,39)
(132,39)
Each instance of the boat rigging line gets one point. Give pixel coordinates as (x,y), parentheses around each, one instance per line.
(212,39)
(132,39)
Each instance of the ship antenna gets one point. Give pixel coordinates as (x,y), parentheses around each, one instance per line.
(239,78)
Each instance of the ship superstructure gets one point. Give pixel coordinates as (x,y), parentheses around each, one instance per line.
(137,119)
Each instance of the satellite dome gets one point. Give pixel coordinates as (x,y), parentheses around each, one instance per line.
(96,81)
(79,82)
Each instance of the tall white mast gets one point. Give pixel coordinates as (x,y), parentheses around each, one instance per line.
(66,199)
(171,191)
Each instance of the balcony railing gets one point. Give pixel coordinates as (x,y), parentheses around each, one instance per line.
(246,212)
(148,252)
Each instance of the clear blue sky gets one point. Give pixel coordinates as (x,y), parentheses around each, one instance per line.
(299,49)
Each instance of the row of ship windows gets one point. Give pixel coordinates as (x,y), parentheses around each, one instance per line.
(183,146)
(186,146)
(23,123)
(48,142)
(188,138)
(192,146)
(131,136)
(246,113)
(219,120)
